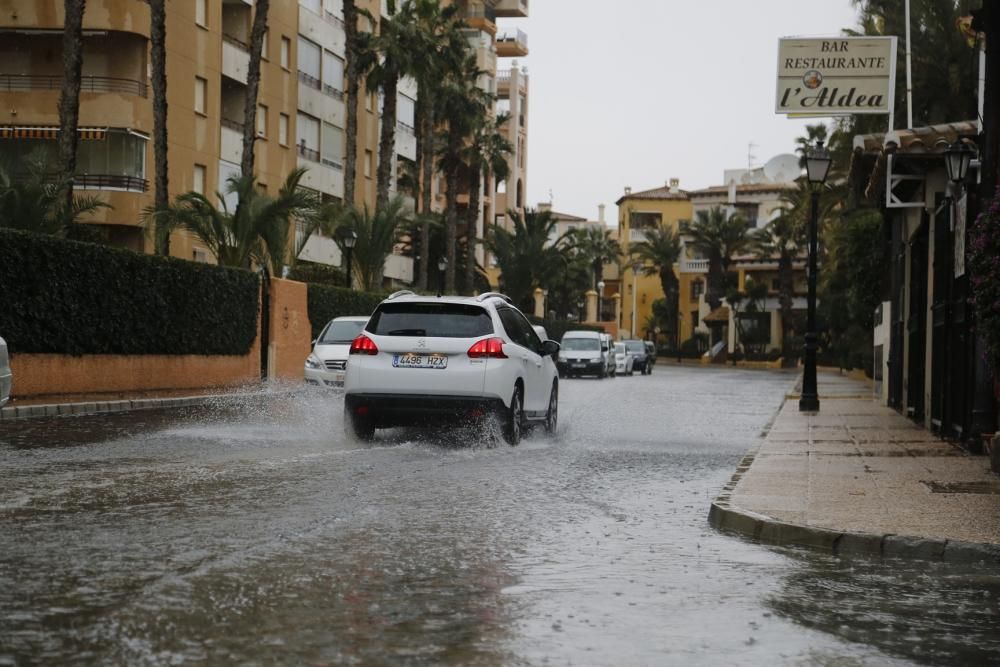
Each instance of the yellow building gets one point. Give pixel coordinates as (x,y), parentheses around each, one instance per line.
(638,211)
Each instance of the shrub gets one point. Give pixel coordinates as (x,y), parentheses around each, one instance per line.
(68,297)
(984,275)
(326,303)
(309,272)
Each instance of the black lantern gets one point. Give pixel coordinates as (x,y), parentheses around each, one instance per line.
(957,159)
(818,163)
(349,238)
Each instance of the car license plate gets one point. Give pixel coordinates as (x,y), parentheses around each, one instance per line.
(579,365)
(411,360)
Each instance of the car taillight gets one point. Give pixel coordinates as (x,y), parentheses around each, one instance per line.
(363,345)
(489,348)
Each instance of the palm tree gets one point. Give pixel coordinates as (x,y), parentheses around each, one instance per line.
(720,235)
(462,105)
(597,246)
(486,156)
(69,98)
(358,52)
(658,253)
(377,233)
(254,233)
(525,255)
(257,32)
(33,202)
(803,144)
(158,74)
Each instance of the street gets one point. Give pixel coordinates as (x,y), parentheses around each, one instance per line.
(249,531)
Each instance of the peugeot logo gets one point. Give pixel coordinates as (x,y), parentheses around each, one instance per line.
(422,344)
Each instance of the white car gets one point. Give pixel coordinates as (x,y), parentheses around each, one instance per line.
(432,360)
(623,360)
(327,363)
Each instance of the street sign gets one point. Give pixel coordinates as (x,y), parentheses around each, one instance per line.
(836,76)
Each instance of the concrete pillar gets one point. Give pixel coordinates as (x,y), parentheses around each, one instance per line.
(539,303)
(591,306)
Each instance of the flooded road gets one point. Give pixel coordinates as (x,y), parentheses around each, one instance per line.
(252,532)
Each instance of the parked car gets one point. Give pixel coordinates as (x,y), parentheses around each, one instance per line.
(6,376)
(641,358)
(582,354)
(608,350)
(650,352)
(327,363)
(427,361)
(623,360)
(542,333)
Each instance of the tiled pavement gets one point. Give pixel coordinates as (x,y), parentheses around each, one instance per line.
(859,478)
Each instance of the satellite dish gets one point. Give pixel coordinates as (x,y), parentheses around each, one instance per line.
(783,168)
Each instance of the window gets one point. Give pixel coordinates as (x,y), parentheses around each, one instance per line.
(263,44)
(261,121)
(405,109)
(642,220)
(520,331)
(312,5)
(285,55)
(200,92)
(283,129)
(333,74)
(332,149)
(445,320)
(369,161)
(200,255)
(198,179)
(201,13)
(697,289)
(309,62)
(307,136)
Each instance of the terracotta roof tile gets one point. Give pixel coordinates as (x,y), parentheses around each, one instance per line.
(661,193)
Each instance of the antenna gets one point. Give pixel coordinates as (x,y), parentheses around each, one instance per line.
(750,156)
(550,196)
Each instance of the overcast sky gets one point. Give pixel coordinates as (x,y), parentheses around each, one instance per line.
(635,92)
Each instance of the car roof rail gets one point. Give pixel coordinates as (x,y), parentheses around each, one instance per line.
(490,295)
(402,292)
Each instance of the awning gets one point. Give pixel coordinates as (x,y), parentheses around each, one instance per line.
(48,132)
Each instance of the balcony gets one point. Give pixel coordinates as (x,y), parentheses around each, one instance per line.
(307,153)
(512,44)
(88,84)
(636,235)
(235,59)
(480,17)
(110,182)
(517,9)
(323,176)
(231,141)
(694,266)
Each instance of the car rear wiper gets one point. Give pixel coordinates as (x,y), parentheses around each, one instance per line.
(408,332)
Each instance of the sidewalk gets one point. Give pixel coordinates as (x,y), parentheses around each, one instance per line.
(858,478)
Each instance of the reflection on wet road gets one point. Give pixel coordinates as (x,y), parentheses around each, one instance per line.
(251,532)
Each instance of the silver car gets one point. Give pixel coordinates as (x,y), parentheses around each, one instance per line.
(6,377)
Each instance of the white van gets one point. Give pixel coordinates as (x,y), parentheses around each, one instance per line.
(583,353)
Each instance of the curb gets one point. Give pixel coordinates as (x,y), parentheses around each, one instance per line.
(726,518)
(101,407)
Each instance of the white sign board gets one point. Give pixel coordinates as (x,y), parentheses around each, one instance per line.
(836,76)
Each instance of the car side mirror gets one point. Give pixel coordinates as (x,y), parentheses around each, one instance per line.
(550,348)
(314,342)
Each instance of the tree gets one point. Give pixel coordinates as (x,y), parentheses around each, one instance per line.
(744,304)
(598,248)
(486,156)
(257,32)
(720,236)
(358,56)
(255,232)
(158,75)
(525,255)
(69,98)
(377,233)
(658,253)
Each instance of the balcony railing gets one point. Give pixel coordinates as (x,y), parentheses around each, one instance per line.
(329,90)
(88,84)
(516,36)
(480,12)
(236,41)
(310,80)
(694,265)
(335,164)
(330,17)
(231,124)
(308,153)
(110,182)
(408,129)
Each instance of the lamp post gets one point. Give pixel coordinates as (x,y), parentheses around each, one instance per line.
(442,267)
(635,290)
(600,299)
(957,158)
(579,310)
(545,302)
(349,239)
(818,162)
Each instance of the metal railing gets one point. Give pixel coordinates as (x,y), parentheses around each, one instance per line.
(334,164)
(515,36)
(480,12)
(409,129)
(308,153)
(231,124)
(88,84)
(330,17)
(236,41)
(109,182)
(310,80)
(335,93)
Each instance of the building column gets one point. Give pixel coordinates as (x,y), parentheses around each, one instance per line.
(539,303)
(591,306)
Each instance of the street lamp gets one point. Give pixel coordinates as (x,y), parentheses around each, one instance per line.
(957,158)
(579,309)
(545,301)
(349,238)
(818,163)
(635,290)
(442,267)
(600,299)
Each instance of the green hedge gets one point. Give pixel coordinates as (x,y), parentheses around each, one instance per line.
(326,303)
(76,298)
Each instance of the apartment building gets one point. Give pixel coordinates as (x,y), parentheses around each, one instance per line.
(300,118)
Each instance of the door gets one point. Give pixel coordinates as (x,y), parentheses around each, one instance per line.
(528,350)
(940,313)
(916,323)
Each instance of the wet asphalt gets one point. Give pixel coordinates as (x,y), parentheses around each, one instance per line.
(250,531)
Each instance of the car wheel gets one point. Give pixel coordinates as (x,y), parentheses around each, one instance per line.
(512,419)
(360,428)
(552,416)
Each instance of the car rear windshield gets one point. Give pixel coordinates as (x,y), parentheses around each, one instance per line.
(581,344)
(341,332)
(434,320)
(635,346)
